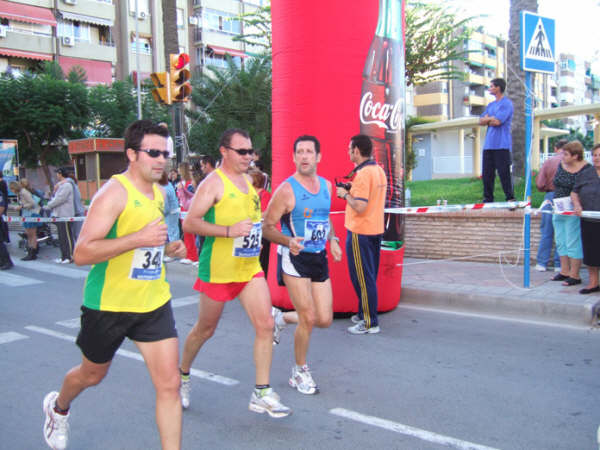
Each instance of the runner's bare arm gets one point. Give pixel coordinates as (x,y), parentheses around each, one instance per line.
(281,203)
(93,247)
(336,249)
(208,193)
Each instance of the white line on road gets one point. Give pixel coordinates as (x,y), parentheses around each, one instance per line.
(70,323)
(184,301)
(12,280)
(418,433)
(134,355)
(55,269)
(176,303)
(11,336)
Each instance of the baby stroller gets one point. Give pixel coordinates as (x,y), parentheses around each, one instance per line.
(44,234)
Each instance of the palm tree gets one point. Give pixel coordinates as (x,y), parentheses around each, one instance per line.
(516,82)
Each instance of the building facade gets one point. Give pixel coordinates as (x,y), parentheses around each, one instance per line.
(110,40)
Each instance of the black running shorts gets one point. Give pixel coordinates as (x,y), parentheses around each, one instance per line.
(103,332)
(303,265)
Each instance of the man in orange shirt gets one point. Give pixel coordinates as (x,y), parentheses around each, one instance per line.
(365,202)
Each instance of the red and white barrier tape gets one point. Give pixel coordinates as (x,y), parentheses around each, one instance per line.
(455,208)
(10,219)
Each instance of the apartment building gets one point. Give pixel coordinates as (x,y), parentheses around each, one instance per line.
(577,86)
(450,99)
(110,40)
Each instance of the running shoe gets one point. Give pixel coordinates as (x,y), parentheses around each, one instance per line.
(360,328)
(279,324)
(184,391)
(168,259)
(356,319)
(540,268)
(185,261)
(268,401)
(56,426)
(303,381)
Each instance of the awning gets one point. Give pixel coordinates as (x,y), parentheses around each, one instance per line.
(229,51)
(26,13)
(97,72)
(86,19)
(24,54)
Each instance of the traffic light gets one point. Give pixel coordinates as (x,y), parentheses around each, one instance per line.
(181,88)
(162,91)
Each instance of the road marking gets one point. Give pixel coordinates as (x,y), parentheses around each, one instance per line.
(184,301)
(56,269)
(12,280)
(70,323)
(418,433)
(176,303)
(11,336)
(134,355)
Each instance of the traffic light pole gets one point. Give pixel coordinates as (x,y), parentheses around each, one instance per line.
(178,122)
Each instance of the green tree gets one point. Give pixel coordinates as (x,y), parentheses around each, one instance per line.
(235,97)
(114,107)
(42,111)
(434,39)
(258,24)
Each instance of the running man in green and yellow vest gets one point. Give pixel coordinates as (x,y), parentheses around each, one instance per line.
(126,295)
(226,209)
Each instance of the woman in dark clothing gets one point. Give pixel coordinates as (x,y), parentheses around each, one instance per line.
(567,229)
(586,197)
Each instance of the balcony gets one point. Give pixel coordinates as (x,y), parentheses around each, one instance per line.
(88,50)
(438,98)
(17,40)
(475,79)
(475,100)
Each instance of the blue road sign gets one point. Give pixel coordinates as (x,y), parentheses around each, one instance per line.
(537,43)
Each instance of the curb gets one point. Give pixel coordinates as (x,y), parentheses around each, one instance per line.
(542,310)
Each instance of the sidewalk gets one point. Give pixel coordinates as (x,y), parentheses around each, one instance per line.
(487,288)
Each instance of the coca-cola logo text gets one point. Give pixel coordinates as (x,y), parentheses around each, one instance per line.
(384,115)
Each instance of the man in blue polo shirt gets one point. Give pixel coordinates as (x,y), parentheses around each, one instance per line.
(498,142)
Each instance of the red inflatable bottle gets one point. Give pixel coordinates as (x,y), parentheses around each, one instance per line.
(382,107)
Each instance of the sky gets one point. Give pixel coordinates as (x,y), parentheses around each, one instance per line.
(577,22)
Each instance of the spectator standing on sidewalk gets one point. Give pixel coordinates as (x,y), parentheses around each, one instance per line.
(5,261)
(171,212)
(185,193)
(29,208)
(62,204)
(544,183)
(498,142)
(77,203)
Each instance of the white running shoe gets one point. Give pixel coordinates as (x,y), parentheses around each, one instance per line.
(277,328)
(540,268)
(303,381)
(184,391)
(195,263)
(168,259)
(557,269)
(360,328)
(56,426)
(269,402)
(356,319)
(185,261)
(58,260)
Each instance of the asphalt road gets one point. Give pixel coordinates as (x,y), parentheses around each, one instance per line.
(430,380)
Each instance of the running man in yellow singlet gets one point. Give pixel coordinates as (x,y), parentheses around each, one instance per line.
(226,209)
(126,295)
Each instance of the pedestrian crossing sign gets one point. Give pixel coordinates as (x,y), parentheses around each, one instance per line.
(537,43)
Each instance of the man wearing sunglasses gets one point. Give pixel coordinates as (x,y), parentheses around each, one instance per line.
(302,204)
(124,237)
(226,209)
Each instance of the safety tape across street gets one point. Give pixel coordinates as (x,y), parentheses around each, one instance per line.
(455,208)
(13,219)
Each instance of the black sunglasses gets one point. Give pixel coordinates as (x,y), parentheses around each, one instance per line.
(153,153)
(241,151)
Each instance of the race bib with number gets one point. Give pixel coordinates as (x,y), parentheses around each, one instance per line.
(248,246)
(146,263)
(315,234)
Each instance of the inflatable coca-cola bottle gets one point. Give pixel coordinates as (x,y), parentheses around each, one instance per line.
(382,107)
